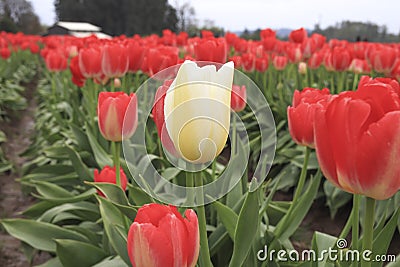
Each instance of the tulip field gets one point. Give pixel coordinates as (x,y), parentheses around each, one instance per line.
(204,151)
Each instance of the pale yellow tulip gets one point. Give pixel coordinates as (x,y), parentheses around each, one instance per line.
(197,110)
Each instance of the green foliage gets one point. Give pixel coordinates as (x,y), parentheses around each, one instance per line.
(357,31)
(18,15)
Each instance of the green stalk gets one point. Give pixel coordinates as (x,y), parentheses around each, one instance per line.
(303,175)
(190,183)
(355,80)
(355,227)
(112,84)
(233,143)
(368,229)
(204,257)
(117,163)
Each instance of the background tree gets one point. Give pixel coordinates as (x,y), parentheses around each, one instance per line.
(354,30)
(18,15)
(120,17)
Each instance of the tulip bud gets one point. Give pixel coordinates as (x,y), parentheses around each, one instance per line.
(302,68)
(117,83)
(238,98)
(108,175)
(197,110)
(302,112)
(114,60)
(161,237)
(113,109)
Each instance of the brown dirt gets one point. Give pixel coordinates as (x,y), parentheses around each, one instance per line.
(12,200)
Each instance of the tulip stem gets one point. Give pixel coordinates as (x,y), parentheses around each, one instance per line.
(355,220)
(117,164)
(303,175)
(204,257)
(355,80)
(233,141)
(190,189)
(368,229)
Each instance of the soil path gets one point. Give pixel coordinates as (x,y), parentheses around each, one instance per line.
(12,199)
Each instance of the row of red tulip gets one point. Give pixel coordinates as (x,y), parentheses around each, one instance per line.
(103,59)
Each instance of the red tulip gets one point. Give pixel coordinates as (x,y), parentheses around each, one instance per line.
(90,62)
(308,47)
(34,48)
(77,77)
(135,55)
(55,61)
(161,58)
(319,40)
(248,62)
(280,62)
(114,60)
(238,97)
(357,137)
(161,237)
(341,58)
(5,53)
(302,112)
(117,114)
(107,175)
(269,44)
(294,53)
(262,64)
(359,66)
(395,74)
(297,36)
(159,118)
(267,33)
(383,59)
(214,50)
(315,60)
(231,38)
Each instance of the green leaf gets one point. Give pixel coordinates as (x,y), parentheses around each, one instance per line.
(335,197)
(79,166)
(48,190)
(138,196)
(102,158)
(54,193)
(75,253)
(112,192)
(320,242)
(112,218)
(80,136)
(290,223)
(111,262)
(381,244)
(87,207)
(39,235)
(117,197)
(246,228)
(228,218)
(54,262)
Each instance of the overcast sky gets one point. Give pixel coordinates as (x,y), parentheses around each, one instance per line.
(236,15)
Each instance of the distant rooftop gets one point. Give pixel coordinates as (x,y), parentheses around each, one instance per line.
(87,34)
(78,26)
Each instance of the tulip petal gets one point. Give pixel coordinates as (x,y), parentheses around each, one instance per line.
(148,246)
(193,242)
(377,158)
(197,110)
